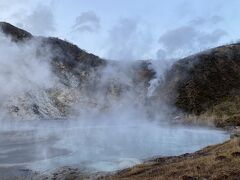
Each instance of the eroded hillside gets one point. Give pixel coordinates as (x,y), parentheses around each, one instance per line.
(206,84)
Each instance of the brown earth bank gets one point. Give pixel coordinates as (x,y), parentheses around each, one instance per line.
(214,162)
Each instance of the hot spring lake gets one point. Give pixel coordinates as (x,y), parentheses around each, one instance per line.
(47,145)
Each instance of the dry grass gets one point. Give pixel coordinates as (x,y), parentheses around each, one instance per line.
(213,162)
(225,114)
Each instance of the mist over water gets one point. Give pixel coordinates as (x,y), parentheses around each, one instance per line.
(97,146)
(93,139)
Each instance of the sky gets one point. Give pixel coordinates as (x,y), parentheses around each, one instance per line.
(130,29)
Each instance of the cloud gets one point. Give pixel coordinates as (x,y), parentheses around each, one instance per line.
(197,35)
(87,22)
(161,54)
(182,37)
(7,5)
(40,21)
(212,37)
(212,20)
(129,39)
(34,16)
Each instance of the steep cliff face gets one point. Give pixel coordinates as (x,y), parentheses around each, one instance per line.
(66,58)
(214,76)
(206,85)
(80,79)
(195,84)
(202,81)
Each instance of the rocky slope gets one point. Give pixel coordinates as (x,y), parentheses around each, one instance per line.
(81,79)
(205,84)
(16,34)
(203,80)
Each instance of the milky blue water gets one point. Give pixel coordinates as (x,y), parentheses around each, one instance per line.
(48,145)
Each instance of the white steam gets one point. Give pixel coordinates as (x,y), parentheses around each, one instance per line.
(111,129)
(23,66)
(196,35)
(87,22)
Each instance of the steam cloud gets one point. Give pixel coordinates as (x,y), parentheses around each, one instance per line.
(188,39)
(129,39)
(87,22)
(113,127)
(36,17)
(40,21)
(23,66)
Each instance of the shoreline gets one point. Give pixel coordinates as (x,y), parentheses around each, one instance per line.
(75,173)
